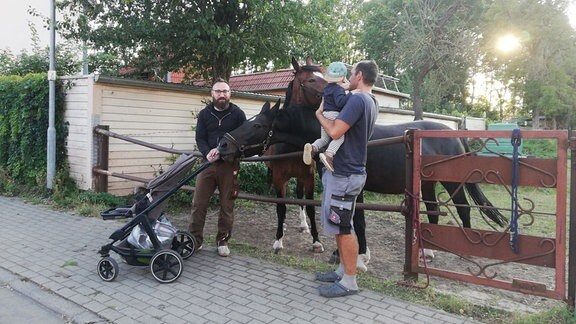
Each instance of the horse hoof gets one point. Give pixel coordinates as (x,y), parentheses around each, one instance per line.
(360,265)
(317,247)
(277,246)
(427,255)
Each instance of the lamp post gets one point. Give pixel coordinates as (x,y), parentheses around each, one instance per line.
(51,145)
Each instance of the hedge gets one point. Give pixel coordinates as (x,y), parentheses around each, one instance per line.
(24,103)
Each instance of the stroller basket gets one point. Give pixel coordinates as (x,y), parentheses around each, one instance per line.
(164,247)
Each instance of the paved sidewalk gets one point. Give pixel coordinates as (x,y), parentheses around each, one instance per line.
(57,254)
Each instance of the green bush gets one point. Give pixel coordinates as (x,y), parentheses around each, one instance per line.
(253,178)
(23,128)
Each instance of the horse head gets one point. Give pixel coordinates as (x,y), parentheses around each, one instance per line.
(252,137)
(295,123)
(308,85)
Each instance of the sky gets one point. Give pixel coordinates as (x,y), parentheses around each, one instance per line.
(15,34)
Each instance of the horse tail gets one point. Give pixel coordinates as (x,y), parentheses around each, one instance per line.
(486,207)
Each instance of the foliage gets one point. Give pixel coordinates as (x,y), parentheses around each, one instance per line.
(206,38)
(542,73)
(424,39)
(254,178)
(23,128)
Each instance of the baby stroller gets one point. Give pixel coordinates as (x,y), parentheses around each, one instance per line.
(149,239)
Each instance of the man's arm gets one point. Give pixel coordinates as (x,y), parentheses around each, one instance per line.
(334,128)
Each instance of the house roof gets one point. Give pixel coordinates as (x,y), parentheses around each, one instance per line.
(280,79)
(262,81)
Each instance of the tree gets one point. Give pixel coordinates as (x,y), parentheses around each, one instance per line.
(209,38)
(543,71)
(423,37)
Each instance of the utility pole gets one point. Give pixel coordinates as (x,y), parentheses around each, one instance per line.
(51,145)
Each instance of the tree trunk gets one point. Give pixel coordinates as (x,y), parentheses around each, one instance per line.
(416,98)
(536,119)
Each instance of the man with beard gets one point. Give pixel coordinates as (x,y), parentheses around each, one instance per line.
(215,120)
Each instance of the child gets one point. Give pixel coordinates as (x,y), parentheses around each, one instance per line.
(335,98)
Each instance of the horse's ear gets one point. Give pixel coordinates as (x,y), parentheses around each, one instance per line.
(265,107)
(276,106)
(295,64)
(309,61)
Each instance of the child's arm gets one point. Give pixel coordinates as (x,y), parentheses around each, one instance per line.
(340,95)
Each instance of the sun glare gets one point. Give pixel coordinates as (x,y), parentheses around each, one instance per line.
(508,43)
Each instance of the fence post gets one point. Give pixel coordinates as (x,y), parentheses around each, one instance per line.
(572,230)
(101,180)
(410,269)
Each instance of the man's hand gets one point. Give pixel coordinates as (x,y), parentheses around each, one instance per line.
(320,109)
(213,155)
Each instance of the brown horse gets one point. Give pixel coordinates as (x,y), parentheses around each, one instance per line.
(303,97)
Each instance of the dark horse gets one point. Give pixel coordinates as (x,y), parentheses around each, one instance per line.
(298,122)
(386,165)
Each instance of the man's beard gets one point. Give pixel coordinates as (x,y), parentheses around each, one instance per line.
(221,104)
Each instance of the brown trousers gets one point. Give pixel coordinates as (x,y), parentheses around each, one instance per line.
(224,176)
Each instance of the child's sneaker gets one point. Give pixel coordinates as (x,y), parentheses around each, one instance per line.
(308,153)
(327,160)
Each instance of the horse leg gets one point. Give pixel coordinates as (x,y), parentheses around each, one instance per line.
(360,230)
(459,199)
(429,197)
(303,211)
(281,213)
(317,246)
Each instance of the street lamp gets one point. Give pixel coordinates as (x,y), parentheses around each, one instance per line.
(51,145)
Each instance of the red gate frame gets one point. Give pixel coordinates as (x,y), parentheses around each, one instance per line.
(547,252)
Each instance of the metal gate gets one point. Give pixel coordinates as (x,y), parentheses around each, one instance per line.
(482,250)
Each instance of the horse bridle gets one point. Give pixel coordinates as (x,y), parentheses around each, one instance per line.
(311,90)
(243,147)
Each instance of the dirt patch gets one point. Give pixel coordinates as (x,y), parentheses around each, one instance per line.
(256,226)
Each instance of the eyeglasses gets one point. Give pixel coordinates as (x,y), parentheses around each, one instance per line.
(221,91)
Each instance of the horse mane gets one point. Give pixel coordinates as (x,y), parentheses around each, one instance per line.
(288,96)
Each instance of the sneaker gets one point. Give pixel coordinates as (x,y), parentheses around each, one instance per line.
(327,160)
(223,251)
(308,153)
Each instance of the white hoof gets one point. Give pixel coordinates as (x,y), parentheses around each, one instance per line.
(278,245)
(360,265)
(428,254)
(366,256)
(317,247)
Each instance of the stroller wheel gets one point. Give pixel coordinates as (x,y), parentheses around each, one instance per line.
(166,266)
(184,243)
(108,269)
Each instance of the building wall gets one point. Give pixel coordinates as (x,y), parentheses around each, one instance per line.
(146,111)
(77,113)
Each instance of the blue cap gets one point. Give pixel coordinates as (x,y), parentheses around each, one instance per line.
(336,72)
